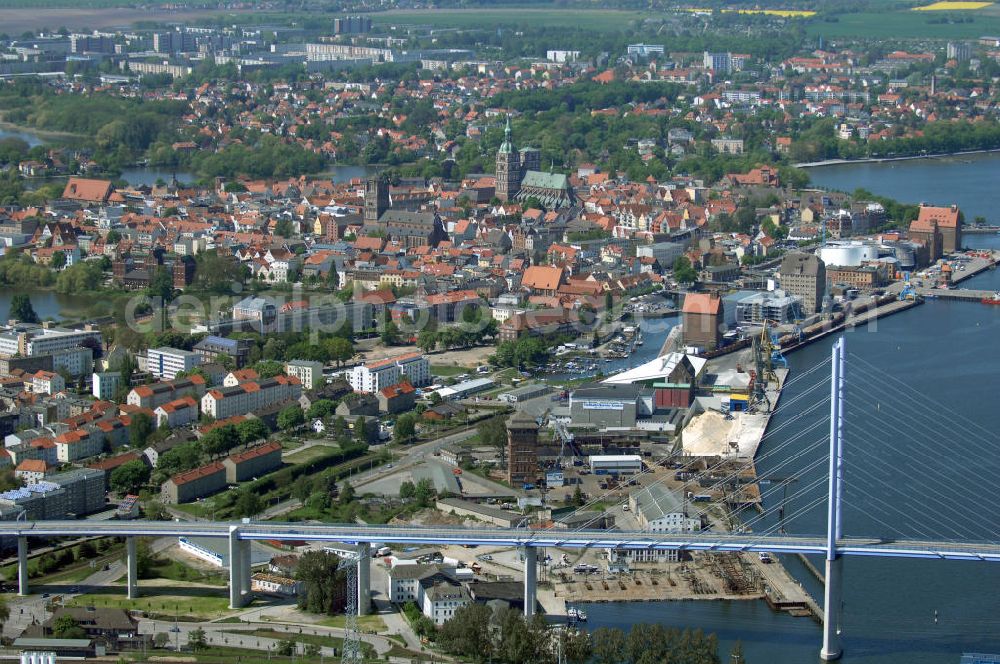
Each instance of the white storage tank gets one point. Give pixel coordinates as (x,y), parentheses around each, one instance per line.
(848,254)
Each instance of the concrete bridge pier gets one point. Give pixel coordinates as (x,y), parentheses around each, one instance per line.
(364,579)
(245,585)
(831,611)
(22,565)
(132,562)
(235,566)
(530,580)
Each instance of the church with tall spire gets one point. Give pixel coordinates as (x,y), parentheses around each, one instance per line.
(519,176)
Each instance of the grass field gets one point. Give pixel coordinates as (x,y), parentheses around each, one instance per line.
(593,19)
(906,24)
(310,453)
(365,623)
(187,601)
(447,370)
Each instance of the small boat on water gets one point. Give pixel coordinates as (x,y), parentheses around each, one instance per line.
(995,299)
(576,614)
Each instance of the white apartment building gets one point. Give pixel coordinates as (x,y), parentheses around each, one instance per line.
(250,396)
(32,340)
(166,363)
(310,373)
(47,382)
(177,413)
(78,444)
(374,376)
(442,600)
(105,384)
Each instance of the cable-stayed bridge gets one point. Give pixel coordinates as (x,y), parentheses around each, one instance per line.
(805,432)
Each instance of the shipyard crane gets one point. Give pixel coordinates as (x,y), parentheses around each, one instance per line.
(763,371)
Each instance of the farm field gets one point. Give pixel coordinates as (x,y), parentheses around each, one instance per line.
(903,24)
(477,18)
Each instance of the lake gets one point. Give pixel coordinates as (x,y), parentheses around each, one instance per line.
(970,181)
(148,176)
(28,137)
(47,304)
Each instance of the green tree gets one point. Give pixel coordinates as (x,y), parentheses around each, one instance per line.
(323,586)
(493,433)
(139,429)
(286,647)
(66,627)
(291,418)
(248,503)
(21,309)
(251,430)
(340,349)
(405,428)
(427,340)
(320,408)
(129,477)
(407,490)
(58,261)
(196,640)
(609,646)
(468,634)
(220,440)
(683,272)
(161,285)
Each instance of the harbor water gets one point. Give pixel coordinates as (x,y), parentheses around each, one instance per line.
(895,611)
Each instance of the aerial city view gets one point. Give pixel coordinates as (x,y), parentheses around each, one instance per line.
(475,331)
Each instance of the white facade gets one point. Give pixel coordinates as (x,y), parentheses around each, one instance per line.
(628,464)
(166,363)
(104,385)
(46,382)
(82,447)
(250,396)
(177,413)
(442,600)
(310,373)
(373,376)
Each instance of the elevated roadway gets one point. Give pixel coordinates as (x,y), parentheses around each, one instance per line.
(524,538)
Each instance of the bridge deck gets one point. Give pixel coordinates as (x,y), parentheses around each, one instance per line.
(354,534)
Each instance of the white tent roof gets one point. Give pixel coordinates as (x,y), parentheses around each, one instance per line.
(661,367)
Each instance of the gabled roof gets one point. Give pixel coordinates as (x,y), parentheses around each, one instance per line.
(542,277)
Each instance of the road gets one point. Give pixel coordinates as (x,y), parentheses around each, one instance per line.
(354,533)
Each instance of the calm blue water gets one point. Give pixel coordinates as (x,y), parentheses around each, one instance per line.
(967,180)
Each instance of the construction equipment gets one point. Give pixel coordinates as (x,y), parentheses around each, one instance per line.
(351,653)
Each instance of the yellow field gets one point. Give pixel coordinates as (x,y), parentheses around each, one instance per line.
(786,13)
(951,5)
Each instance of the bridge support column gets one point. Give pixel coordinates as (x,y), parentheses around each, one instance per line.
(530,580)
(22,565)
(364,579)
(132,562)
(831,611)
(245,571)
(235,576)
(832,594)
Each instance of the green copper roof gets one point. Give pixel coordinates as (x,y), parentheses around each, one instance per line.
(508,145)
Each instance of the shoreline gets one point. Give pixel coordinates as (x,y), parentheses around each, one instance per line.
(879,160)
(40,134)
